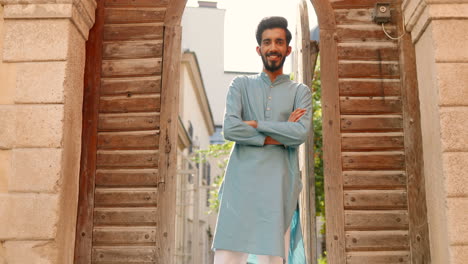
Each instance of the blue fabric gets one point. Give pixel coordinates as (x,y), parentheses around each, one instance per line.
(260,191)
(296,244)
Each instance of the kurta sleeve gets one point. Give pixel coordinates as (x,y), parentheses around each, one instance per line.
(291,133)
(234,128)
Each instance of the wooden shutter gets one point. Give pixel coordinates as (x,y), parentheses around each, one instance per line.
(120,191)
(305,57)
(370,192)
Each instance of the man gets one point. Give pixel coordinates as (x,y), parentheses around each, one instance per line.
(268,116)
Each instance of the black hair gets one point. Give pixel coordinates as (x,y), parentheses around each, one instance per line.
(273,22)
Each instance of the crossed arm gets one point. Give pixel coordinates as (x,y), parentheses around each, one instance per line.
(259,133)
(294,117)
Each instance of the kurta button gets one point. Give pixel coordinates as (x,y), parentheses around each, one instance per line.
(268,108)
(269,97)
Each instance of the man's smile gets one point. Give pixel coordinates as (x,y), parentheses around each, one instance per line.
(274,57)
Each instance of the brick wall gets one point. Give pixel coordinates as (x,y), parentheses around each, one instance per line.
(438,30)
(43,49)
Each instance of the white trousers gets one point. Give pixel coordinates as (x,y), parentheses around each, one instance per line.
(233,257)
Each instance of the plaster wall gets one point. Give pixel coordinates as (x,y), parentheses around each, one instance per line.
(191,111)
(203,33)
(41,71)
(201,136)
(438,31)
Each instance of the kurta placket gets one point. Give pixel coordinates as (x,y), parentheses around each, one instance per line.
(260,191)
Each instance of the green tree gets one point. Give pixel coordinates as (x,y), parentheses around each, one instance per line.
(318,142)
(220,153)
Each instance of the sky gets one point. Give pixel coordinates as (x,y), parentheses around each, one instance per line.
(241,20)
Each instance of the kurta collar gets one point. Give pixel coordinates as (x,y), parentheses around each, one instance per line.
(279,79)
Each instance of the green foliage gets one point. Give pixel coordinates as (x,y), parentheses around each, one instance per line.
(221,154)
(318,151)
(318,142)
(323,259)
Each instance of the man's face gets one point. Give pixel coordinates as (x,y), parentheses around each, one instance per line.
(273,49)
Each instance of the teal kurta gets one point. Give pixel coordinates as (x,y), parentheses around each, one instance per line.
(259,194)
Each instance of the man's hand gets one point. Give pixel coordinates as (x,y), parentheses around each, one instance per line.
(296,114)
(251,123)
(270,141)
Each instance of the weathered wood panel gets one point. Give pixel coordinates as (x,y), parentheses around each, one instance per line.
(374,179)
(125,197)
(305,56)
(353,16)
(370,105)
(134,85)
(125,104)
(377,123)
(391,160)
(128,122)
(128,158)
(127,177)
(419,226)
(378,257)
(128,140)
(150,31)
(136,3)
(368,69)
(331,138)
(367,51)
(124,235)
(134,15)
(371,141)
(91,93)
(376,220)
(363,33)
(375,199)
(169,134)
(352,4)
(132,49)
(124,254)
(131,67)
(377,240)
(370,87)
(124,216)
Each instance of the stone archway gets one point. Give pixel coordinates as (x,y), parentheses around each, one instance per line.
(375,207)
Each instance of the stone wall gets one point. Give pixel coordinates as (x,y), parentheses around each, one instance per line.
(42,46)
(438,29)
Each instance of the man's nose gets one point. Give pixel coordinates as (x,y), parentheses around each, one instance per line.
(274,47)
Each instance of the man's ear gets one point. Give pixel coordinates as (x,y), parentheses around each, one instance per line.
(289,50)
(259,51)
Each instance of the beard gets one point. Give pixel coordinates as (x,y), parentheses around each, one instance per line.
(274,65)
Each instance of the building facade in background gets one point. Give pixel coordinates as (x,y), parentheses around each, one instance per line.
(194,223)
(203,33)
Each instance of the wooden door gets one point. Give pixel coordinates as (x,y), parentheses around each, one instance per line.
(374,187)
(127,183)
(305,57)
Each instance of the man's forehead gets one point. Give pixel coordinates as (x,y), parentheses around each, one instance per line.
(274,33)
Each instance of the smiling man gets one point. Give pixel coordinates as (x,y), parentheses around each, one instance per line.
(268,116)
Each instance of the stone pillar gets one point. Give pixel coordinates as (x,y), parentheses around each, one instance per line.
(42,46)
(438,29)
